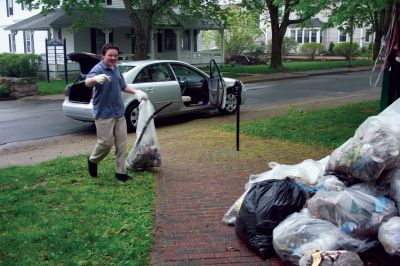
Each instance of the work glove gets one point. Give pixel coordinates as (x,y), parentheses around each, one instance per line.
(100,79)
(141,95)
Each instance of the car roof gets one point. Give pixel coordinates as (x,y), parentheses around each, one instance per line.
(149,61)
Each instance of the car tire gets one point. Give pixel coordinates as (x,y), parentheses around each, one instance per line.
(132,115)
(231,104)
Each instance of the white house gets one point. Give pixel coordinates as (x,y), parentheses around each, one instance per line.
(174,36)
(313,31)
(23,41)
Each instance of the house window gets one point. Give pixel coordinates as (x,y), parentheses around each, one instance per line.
(314,35)
(186,40)
(306,36)
(27,42)
(10,7)
(108,2)
(170,40)
(299,36)
(367,37)
(293,34)
(342,36)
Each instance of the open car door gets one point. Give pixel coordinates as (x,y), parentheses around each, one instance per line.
(215,85)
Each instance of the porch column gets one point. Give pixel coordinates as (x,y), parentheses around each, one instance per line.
(222,46)
(178,43)
(53,33)
(265,32)
(13,44)
(32,42)
(107,34)
(192,40)
(152,45)
(318,35)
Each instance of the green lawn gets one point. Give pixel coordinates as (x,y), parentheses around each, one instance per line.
(323,127)
(52,87)
(55,213)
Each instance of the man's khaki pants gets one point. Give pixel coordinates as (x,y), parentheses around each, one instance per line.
(111,131)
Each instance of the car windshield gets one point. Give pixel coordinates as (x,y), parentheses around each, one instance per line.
(125,68)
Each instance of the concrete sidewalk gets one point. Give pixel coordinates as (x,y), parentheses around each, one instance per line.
(301,74)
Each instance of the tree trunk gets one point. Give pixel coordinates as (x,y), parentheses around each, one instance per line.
(142,26)
(377,44)
(379,21)
(277,37)
(276,50)
(142,39)
(351,42)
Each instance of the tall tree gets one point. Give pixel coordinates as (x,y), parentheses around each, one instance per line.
(279,12)
(142,14)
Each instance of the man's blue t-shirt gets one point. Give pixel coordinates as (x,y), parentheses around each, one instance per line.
(107,102)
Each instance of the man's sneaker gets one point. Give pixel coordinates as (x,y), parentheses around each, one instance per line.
(92,167)
(122,177)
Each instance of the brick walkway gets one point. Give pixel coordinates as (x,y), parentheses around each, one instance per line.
(201,176)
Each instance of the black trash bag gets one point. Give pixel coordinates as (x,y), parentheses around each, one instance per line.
(265,205)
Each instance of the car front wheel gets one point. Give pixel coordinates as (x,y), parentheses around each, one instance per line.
(132,115)
(231,103)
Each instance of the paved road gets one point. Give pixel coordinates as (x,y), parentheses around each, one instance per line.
(30,119)
(308,89)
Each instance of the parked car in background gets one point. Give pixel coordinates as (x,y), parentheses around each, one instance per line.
(187,87)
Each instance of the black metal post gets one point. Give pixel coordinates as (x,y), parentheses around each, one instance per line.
(65,62)
(47,61)
(238,92)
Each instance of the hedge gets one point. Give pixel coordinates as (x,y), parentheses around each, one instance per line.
(19,65)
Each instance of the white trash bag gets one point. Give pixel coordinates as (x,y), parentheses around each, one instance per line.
(389,236)
(300,233)
(146,151)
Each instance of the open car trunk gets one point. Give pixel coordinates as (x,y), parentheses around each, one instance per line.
(78,92)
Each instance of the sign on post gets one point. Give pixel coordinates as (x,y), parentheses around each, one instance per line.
(56,53)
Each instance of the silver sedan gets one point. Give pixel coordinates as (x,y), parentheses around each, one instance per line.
(187,87)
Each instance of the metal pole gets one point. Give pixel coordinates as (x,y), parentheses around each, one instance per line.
(65,62)
(47,61)
(238,92)
(237,127)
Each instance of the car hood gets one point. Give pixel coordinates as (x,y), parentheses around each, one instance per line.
(86,60)
(229,81)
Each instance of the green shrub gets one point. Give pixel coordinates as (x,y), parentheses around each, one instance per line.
(311,49)
(288,45)
(19,65)
(257,50)
(343,49)
(4,90)
(330,49)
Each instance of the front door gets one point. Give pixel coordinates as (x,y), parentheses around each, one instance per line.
(215,85)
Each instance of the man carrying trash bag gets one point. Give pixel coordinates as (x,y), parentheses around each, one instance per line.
(108,111)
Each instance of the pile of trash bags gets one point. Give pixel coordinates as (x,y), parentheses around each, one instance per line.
(335,211)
